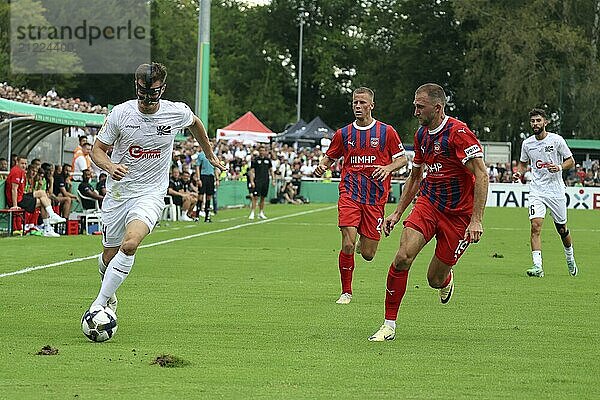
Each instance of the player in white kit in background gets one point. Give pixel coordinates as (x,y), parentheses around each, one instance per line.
(141,132)
(548,155)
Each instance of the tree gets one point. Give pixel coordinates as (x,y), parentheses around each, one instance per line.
(527,54)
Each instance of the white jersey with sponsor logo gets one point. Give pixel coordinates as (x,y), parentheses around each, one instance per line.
(144,143)
(540,153)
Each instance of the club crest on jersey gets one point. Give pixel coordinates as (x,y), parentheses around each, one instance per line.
(549,149)
(437,148)
(140,152)
(163,130)
(374,142)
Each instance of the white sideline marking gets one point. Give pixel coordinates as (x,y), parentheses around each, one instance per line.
(231,228)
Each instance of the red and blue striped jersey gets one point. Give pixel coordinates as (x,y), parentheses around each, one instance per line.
(363,148)
(445,150)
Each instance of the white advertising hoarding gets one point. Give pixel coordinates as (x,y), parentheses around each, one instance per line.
(517,194)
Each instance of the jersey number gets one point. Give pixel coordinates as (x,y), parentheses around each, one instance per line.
(531,210)
(379,221)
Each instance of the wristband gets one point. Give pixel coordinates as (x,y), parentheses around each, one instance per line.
(559,167)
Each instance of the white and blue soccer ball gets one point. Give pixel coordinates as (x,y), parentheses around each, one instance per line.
(99,323)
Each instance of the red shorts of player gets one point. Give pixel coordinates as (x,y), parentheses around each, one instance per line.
(366,218)
(448,229)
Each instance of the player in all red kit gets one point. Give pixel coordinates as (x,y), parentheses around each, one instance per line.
(372,151)
(450,203)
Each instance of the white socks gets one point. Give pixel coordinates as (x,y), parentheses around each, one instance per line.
(50,211)
(101,266)
(569,253)
(115,274)
(390,323)
(537,258)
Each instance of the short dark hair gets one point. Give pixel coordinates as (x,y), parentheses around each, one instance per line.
(364,90)
(434,91)
(157,70)
(538,111)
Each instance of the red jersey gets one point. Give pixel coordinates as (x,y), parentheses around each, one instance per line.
(445,150)
(16,175)
(363,148)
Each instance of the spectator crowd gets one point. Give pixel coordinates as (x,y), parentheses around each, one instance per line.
(51,99)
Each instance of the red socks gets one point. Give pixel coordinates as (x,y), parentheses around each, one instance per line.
(346,265)
(394,291)
(447,281)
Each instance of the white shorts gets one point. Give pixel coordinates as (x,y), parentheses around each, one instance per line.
(557,206)
(116,214)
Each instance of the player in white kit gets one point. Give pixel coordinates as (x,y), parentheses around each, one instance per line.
(141,132)
(548,155)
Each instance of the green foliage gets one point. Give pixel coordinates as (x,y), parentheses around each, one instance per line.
(495,59)
(530,54)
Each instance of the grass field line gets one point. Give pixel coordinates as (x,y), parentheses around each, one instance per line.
(160,243)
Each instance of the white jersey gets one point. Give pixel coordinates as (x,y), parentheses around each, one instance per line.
(540,153)
(144,143)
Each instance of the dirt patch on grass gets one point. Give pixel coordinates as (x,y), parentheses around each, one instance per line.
(47,350)
(169,361)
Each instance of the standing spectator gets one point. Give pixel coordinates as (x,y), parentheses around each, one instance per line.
(52,93)
(258,181)
(492,173)
(548,155)
(325,143)
(450,203)
(83,161)
(138,170)
(78,151)
(209,179)
(372,151)
(17,198)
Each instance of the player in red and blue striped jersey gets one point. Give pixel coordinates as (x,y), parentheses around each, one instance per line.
(450,204)
(371,150)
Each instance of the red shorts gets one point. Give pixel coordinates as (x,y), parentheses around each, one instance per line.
(448,229)
(364,217)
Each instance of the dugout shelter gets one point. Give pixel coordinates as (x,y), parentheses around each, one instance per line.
(23,126)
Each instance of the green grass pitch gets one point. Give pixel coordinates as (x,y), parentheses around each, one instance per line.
(249,308)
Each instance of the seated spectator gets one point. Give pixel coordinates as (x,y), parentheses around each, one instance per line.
(16,198)
(86,190)
(3,167)
(101,186)
(589,179)
(180,198)
(287,194)
(62,189)
(580,172)
(48,171)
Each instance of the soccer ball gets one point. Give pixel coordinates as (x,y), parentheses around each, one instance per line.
(99,323)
